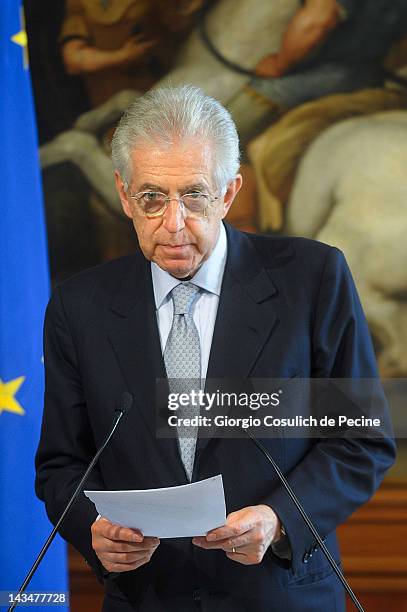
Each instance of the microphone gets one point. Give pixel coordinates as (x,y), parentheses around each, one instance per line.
(123,407)
(306,519)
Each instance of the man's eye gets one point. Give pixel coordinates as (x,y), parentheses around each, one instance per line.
(151,196)
(194,195)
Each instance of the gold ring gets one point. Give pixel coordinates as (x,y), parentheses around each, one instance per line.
(234,550)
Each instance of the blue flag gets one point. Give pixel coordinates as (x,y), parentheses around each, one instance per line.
(24,290)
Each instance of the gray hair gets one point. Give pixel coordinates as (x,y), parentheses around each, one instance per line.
(166,114)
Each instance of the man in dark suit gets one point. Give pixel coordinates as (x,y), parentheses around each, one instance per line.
(255,307)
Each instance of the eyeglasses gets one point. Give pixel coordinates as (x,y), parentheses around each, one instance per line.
(154,203)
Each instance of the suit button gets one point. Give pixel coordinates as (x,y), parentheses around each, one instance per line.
(305,558)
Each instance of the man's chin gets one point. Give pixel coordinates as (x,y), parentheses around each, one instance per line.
(180,271)
(177,266)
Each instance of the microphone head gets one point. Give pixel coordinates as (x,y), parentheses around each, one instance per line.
(125,403)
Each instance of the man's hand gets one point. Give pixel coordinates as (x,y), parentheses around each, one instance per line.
(249,531)
(121,549)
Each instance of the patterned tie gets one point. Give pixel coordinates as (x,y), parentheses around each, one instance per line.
(182,357)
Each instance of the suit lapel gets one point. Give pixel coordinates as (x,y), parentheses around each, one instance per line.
(245,318)
(133,334)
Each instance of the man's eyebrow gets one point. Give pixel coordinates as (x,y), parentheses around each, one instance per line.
(194,187)
(186,189)
(151,187)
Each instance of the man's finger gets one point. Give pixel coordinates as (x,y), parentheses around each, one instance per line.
(116,532)
(123,547)
(126,558)
(148,542)
(227,544)
(124,534)
(235,528)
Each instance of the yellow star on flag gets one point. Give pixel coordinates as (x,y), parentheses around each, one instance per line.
(7,392)
(20,38)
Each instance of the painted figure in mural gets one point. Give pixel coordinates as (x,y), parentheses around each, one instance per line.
(123,44)
(252,32)
(329,46)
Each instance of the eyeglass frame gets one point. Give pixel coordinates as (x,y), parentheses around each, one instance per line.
(167,200)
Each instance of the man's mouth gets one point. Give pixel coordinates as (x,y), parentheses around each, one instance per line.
(175,248)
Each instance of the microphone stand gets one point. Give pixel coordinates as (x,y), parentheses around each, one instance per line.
(307,520)
(122,410)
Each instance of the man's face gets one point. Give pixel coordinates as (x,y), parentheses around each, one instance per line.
(177,243)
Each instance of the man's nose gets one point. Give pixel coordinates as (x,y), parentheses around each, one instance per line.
(174,216)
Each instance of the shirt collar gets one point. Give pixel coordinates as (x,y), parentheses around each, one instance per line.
(209,275)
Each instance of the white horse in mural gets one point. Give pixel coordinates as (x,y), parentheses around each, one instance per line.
(351,192)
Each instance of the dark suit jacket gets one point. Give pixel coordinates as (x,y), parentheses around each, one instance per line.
(288,307)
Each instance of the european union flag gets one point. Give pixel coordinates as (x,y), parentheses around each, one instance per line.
(24,293)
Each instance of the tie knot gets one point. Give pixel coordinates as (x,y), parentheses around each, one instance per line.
(182,296)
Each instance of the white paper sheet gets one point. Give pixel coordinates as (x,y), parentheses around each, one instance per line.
(173,512)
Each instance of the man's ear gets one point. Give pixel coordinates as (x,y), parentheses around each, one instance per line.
(231,192)
(121,190)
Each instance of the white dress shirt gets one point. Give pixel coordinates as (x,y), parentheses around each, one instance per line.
(209,278)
